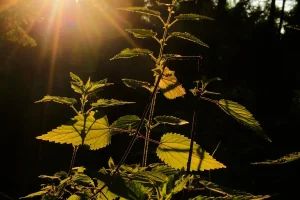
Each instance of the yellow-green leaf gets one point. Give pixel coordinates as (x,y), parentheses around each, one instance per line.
(283,160)
(142,33)
(127,122)
(191,16)
(174,151)
(96,133)
(142,10)
(129,53)
(170,120)
(76,83)
(242,115)
(57,99)
(95,86)
(109,102)
(169,85)
(188,36)
(135,84)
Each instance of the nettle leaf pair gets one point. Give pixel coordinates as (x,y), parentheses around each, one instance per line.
(91,128)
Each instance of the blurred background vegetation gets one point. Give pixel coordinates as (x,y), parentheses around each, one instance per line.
(253,46)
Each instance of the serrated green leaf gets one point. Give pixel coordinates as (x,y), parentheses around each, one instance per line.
(231,194)
(105,193)
(135,84)
(283,160)
(142,33)
(242,115)
(76,83)
(109,102)
(111,163)
(57,99)
(142,10)
(35,194)
(138,189)
(180,185)
(129,53)
(91,87)
(127,122)
(48,177)
(165,169)
(79,169)
(82,179)
(188,36)
(169,85)
(170,120)
(149,177)
(174,151)
(191,16)
(96,133)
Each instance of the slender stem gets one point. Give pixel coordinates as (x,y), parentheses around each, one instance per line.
(192,141)
(173,22)
(150,140)
(208,99)
(148,130)
(76,111)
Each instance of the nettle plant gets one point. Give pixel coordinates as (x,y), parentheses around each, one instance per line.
(181,157)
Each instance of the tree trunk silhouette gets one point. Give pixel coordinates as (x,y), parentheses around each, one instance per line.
(271,19)
(281,17)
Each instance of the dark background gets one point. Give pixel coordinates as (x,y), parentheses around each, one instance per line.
(259,69)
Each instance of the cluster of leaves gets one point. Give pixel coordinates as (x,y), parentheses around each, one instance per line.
(179,154)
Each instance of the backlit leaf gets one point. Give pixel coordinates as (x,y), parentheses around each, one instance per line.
(35,194)
(242,115)
(141,10)
(127,122)
(191,16)
(109,102)
(82,179)
(76,83)
(96,133)
(169,85)
(170,120)
(174,151)
(135,84)
(142,33)
(62,100)
(283,160)
(75,197)
(188,36)
(129,53)
(232,197)
(96,86)
(180,185)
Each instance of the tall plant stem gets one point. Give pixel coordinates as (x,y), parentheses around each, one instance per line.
(192,141)
(152,106)
(146,146)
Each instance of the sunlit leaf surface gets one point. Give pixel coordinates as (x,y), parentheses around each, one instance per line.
(96,133)
(174,151)
(129,53)
(283,160)
(242,115)
(188,36)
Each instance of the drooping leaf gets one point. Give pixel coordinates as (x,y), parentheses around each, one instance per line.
(135,84)
(142,10)
(48,177)
(174,151)
(76,83)
(283,160)
(242,115)
(96,133)
(149,177)
(129,53)
(169,85)
(127,122)
(165,169)
(230,194)
(91,87)
(188,36)
(109,102)
(142,33)
(57,99)
(170,120)
(191,16)
(35,194)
